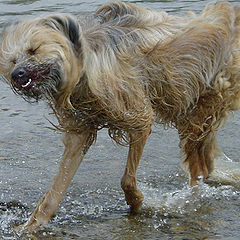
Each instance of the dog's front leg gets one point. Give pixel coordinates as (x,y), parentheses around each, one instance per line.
(133,195)
(75,148)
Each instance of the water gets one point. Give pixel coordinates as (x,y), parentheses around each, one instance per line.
(94,206)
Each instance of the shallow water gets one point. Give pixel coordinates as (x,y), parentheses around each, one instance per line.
(94,206)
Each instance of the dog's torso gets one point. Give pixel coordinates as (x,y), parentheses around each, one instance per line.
(145,69)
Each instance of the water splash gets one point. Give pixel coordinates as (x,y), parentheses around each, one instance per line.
(185,200)
(226,171)
(12,214)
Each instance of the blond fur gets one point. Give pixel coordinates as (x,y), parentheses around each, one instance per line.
(124,68)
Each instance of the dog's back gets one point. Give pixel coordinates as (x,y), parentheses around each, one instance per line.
(195,62)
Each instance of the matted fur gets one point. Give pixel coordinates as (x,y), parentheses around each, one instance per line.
(124,68)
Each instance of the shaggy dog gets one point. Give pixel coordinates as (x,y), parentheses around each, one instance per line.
(123,68)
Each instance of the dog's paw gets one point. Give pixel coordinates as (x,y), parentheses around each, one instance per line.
(136,209)
(134,199)
(30,226)
(36,220)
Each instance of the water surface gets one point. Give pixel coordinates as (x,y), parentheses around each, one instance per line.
(94,206)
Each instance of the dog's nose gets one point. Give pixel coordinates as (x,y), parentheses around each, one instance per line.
(18,73)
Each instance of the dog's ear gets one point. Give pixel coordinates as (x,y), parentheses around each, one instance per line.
(68,26)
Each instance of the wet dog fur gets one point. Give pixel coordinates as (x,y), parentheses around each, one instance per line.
(124,68)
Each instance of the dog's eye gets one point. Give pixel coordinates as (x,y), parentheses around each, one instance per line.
(31,51)
(14,61)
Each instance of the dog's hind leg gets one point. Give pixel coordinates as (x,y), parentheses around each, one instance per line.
(200,155)
(133,195)
(198,137)
(75,148)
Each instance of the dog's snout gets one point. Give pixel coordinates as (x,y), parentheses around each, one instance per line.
(18,73)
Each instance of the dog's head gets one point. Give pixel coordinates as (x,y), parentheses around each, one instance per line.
(37,57)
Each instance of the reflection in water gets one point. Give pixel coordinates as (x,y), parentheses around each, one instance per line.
(94,206)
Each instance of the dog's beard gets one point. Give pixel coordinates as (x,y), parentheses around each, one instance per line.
(42,81)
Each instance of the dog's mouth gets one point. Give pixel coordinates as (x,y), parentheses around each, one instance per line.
(25,79)
(36,81)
